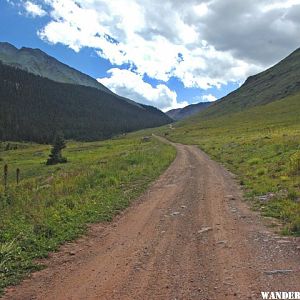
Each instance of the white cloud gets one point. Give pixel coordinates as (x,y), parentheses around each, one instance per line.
(218,42)
(34,10)
(201,9)
(131,85)
(209,98)
(280,5)
(159,47)
(203,43)
(259,32)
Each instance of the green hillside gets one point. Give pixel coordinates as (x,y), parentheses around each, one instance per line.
(276,83)
(260,145)
(34,108)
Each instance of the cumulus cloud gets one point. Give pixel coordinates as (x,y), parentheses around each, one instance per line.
(202,43)
(134,33)
(131,85)
(209,98)
(34,10)
(260,32)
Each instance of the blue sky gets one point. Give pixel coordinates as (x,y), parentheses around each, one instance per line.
(167,54)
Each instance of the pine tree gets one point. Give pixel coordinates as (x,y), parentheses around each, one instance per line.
(55,156)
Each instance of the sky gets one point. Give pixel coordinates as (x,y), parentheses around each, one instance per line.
(168,53)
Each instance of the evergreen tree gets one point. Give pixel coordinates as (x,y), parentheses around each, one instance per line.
(55,156)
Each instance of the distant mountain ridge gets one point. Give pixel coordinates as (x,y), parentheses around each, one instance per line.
(187,111)
(40,63)
(275,83)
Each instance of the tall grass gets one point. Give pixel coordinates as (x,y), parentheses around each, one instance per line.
(262,146)
(53,204)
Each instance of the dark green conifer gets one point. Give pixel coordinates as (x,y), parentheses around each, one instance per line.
(55,156)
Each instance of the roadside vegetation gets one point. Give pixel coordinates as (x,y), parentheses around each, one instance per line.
(261,146)
(54,204)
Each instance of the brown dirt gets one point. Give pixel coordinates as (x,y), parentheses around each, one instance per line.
(188,237)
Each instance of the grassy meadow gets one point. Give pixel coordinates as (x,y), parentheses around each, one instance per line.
(53,204)
(261,146)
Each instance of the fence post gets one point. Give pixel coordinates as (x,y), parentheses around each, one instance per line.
(18,176)
(5,176)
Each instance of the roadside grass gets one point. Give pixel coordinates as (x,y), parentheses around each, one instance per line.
(262,147)
(53,204)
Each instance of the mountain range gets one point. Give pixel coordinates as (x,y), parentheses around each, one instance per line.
(187,111)
(54,83)
(275,83)
(40,63)
(40,95)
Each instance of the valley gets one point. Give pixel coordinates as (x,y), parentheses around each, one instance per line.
(176,240)
(200,202)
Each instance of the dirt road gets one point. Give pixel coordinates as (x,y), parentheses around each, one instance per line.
(189,237)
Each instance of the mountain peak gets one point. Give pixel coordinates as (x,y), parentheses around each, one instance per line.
(7,49)
(7,45)
(34,50)
(40,63)
(37,62)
